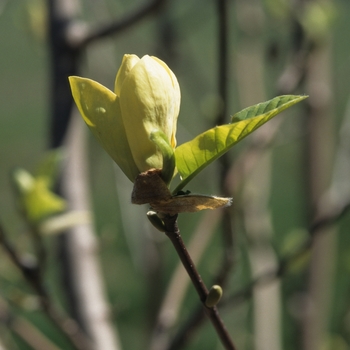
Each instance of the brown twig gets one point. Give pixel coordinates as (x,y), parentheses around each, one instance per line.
(172,231)
(178,285)
(24,329)
(323,220)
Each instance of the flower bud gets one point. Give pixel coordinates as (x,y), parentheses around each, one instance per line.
(146,101)
(149,101)
(214,296)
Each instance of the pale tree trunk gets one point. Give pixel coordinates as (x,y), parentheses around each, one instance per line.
(256,187)
(82,276)
(82,246)
(319,165)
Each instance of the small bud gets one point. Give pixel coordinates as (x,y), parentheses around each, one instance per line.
(156,221)
(214,296)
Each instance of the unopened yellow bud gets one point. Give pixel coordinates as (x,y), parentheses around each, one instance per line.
(149,101)
(146,99)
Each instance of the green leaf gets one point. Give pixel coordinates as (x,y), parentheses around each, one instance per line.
(275,106)
(193,156)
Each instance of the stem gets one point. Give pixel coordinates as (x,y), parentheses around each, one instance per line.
(172,231)
(39,248)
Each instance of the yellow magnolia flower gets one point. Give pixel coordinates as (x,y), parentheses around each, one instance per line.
(146,99)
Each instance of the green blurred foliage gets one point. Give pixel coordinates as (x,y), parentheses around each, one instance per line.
(191,52)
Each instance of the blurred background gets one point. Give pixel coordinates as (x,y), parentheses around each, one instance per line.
(281,251)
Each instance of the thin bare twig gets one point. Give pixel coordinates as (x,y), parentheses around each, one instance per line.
(24,329)
(178,285)
(172,231)
(31,335)
(117,26)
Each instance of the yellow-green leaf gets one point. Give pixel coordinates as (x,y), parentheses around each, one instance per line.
(274,106)
(193,156)
(100,109)
(40,202)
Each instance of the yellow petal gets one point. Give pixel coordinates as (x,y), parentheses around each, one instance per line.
(101,111)
(175,107)
(149,100)
(128,63)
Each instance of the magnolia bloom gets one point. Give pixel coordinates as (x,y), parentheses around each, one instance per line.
(146,99)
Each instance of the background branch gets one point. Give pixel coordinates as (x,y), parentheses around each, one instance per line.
(78,251)
(329,217)
(34,276)
(84,38)
(85,271)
